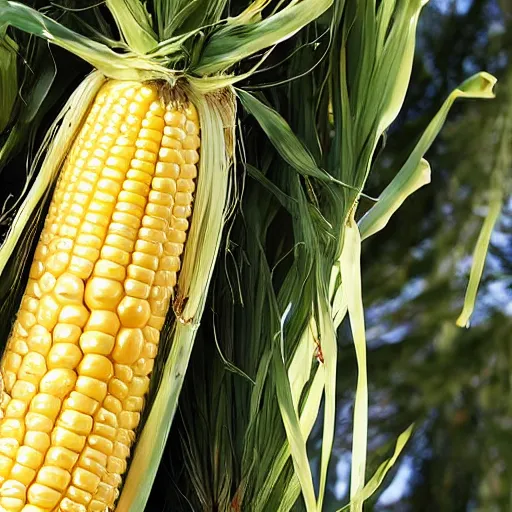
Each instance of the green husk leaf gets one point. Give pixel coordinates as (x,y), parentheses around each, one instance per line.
(294,434)
(479,257)
(376,480)
(126,66)
(403,185)
(351,283)
(134,23)
(8,79)
(282,137)
(409,178)
(217,118)
(238,40)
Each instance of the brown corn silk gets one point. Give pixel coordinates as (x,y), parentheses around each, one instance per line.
(77,364)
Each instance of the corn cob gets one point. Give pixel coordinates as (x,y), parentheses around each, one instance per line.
(77,364)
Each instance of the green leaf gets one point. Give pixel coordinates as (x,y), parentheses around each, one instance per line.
(134,23)
(376,480)
(413,173)
(126,66)
(8,79)
(403,185)
(479,256)
(350,265)
(238,40)
(291,149)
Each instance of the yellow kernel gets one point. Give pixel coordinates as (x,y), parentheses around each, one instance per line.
(32,368)
(89,240)
(38,440)
(9,447)
(120,242)
(182,211)
(82,403)
(129,420)
(62,333)
(171,143)
(154,135)
(123,372)
(143,166)
(133,312)
(175,118)
(102,293)
(113,174)
(157,321)
(171,156)
(133,199)
(147,145)
(103,430)
(42,496)
(48,312)
(154,123)
(5,466)
(112,269)
(149,247)
(74,314)
(167,185)
(179,224)
(58,382)
(141,274)
(109,186)
(39,422)
(96,366)
(129,343)
(23,390)
(149,351)
(82,267)
(23,474)
(64,355)
(67,505)
(136,289)
(78,495)
(143,366)
(67,439)
(75,421)
(61,457)
(125,436)
(103,321)
(116,465)
(122,151)
(29,457)
(121,450)
(145,260)
(12,361)
(167,170)
(139,386)
(54,477)
(118,389)
(113,405)
(105,416)
(191,142)
(36,269)
(101,443)
(92,388)
(146,156)
(185,185)
(47,405)
(57,263)
(127,220)
(183,199)
(95,455)
(16,409)
(161,198)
